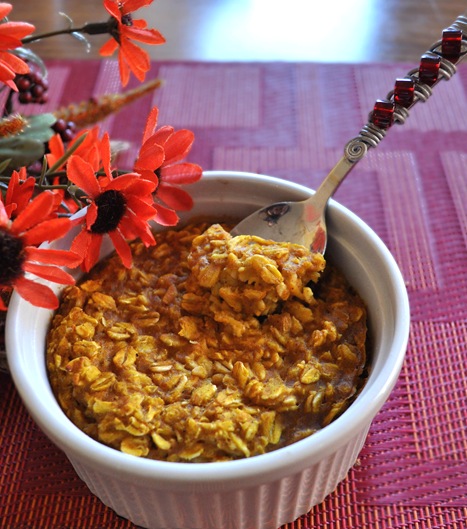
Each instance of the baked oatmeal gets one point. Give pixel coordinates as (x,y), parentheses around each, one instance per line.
(210,348)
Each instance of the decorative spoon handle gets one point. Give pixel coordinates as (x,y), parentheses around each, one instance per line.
(438,63)
(303,222)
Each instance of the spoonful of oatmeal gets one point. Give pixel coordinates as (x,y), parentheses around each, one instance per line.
(304,222)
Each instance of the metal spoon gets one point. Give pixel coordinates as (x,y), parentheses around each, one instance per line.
(304,222)
(298,222)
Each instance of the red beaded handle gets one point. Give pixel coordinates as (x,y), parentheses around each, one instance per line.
(438,63)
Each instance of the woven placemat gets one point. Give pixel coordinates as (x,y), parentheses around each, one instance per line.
(292,121)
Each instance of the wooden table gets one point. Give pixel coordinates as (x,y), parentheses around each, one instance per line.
(261,30)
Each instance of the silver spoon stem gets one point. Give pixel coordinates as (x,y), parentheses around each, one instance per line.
(332,182)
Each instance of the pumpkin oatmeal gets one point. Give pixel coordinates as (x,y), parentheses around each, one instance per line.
(209,348)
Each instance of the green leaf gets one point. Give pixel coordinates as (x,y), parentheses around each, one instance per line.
(4,165)
(39,127)
(28,146)
(21,150)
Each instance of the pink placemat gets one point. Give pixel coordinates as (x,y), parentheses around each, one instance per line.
(292,121)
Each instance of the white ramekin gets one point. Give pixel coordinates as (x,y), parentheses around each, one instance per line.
(261,492)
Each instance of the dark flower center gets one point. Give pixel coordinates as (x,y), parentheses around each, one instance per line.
(112,29)
(159,179)
(12,258)
(127,20)
(112,26)
(111,207)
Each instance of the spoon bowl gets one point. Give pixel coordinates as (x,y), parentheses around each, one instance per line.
(282,222)
(302,222)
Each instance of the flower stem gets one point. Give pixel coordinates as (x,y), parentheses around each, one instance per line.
(96,28)
(8,108)
(35,38)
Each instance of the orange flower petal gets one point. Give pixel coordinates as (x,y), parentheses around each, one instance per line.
(127,227)
(15,64)
(57,150)
(4,218)
(36,293)
(8,43)
(50,273)
(142,188)
(147,36)
(2,305)
(178,146)
(112,8)
(108,48)
(91,215)
(135,57)
(166,216)
(81,243)
(10,84)
(150,175)
(144,210)
(18,192)
(128,6)
(151,154)
(122,248)
(139,23)
(163,134)
(132,227)
(93,250)
(52,256)
(49,230)
(40,207)
(123,69)
(81,173)
(16,30)
(181,173)
(5,9)
(151,124)
(123,181)
(6,73)
(106,156)
(175,197)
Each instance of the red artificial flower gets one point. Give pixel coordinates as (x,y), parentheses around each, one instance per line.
(89,149)
(160,160)
(11,34)
(19,192)
(130,56)
(56,151)
(92,149)
(120,207)
(19,254)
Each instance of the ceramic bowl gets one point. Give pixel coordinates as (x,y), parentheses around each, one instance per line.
(261,492)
